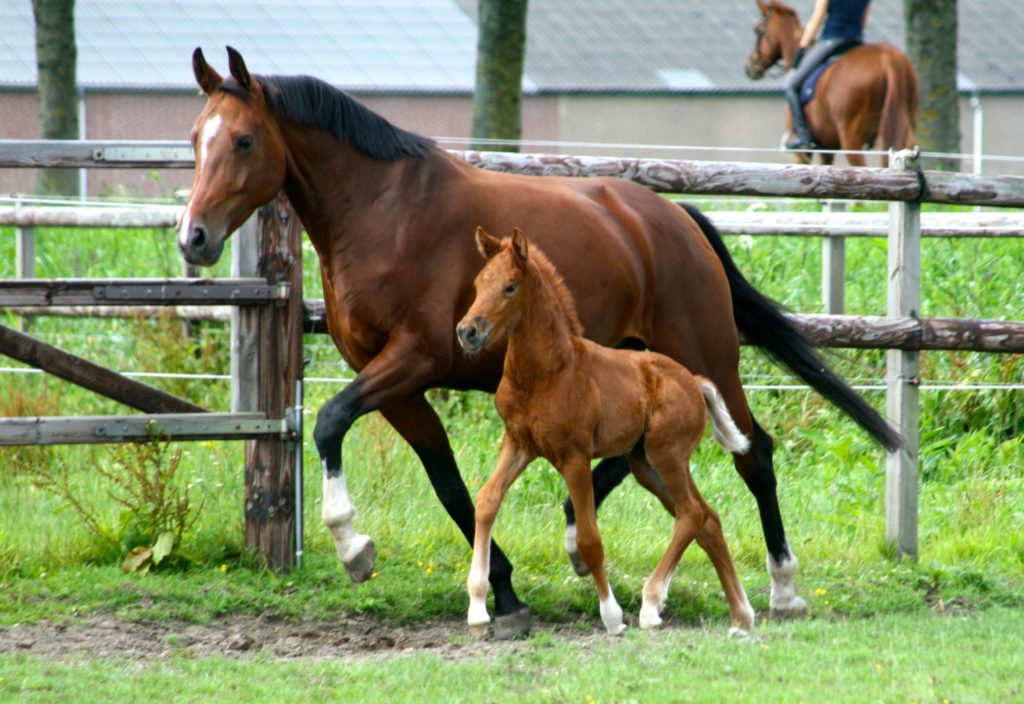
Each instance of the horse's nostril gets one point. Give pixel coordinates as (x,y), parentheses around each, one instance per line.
(470,332)
(198,238)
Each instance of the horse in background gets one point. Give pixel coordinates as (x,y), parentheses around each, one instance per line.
(570,400)
(868,97)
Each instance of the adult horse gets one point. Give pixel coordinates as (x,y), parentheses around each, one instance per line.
(868,96)
(392,218)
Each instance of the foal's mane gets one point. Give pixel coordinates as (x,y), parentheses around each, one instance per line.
(310,101)
(549,274)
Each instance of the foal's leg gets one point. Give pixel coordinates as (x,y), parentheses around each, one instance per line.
(712,541)
(607,475)
(673,474)
(511,463)
(417,422)
(757,469)
(576,472)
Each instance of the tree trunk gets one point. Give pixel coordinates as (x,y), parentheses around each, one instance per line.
(931,27)
(501,51)
(57,60)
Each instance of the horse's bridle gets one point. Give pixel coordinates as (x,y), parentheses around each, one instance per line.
(756,57)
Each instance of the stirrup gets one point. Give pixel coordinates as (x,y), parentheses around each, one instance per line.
(797,143)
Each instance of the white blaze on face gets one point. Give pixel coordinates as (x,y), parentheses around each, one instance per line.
(206,135)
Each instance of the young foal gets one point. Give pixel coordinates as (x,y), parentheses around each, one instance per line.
(569,400)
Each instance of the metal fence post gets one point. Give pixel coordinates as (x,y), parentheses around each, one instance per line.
(24,259)
(902,367)
(833,265)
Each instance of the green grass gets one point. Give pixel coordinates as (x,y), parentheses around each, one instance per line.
(875,631)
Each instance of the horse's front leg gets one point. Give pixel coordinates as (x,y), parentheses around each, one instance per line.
(511,463)
(419,425)
(396,372)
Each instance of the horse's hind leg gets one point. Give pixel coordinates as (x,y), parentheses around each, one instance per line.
(712,541)
(576,472)
(607,475)
(417,422)
(672,468)
(757,470)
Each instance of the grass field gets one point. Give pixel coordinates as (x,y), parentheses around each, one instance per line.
(945,628)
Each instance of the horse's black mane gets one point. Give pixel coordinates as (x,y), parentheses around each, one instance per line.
(310,101)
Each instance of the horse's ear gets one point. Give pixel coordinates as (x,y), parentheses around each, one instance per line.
(763,6)
(208,79)
(238,70)
(487,244)
(520,247)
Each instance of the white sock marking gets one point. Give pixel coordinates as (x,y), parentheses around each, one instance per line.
(338,514)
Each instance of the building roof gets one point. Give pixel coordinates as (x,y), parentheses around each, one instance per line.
(430,45)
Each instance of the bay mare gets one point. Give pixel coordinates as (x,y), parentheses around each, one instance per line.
(867,98)
(392,217)
(567,399)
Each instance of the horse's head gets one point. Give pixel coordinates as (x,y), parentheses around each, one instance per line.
(776,36)
(498,287)
(240,159)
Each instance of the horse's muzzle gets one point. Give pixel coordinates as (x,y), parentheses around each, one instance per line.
(473,334)
(753,71)
(198,247)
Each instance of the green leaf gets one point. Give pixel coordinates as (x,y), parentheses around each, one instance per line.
(164,546)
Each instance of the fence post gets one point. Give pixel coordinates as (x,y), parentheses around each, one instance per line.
(24,259)
(902,367)
(833,265)
(269,357)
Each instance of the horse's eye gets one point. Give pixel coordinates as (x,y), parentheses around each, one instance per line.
(510,290)
(244,143)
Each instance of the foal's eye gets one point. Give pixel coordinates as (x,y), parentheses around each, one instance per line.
(244,143)
(511,289)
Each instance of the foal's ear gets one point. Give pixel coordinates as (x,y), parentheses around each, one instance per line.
(238,70)
(208,79)
(520,247)
(763,6)
(487,244)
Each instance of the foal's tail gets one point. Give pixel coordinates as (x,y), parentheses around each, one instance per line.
(723,427)
(763,323)
(898,120)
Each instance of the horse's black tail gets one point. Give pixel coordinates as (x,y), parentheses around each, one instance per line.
(764,324)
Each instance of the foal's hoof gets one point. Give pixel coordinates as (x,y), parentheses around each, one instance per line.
(514,625)
(577,564)
(573,552)
(360,565)
(794,608)
(479,631)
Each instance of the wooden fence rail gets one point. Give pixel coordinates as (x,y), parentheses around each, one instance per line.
(270,513)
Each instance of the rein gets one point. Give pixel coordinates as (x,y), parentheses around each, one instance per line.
(760,30)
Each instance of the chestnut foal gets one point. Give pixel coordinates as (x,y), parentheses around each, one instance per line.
(567,399)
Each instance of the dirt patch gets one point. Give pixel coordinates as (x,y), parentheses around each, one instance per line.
(243,637)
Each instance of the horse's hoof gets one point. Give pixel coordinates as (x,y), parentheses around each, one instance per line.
(794,608)
(577,564)
(479,631)
(360,566)
(737,633)
(514,625)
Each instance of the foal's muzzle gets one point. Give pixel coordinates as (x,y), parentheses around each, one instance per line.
(473,334)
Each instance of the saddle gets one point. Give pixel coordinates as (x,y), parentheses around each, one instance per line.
(808,87)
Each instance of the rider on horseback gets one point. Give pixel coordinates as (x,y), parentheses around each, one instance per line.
(844,29)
